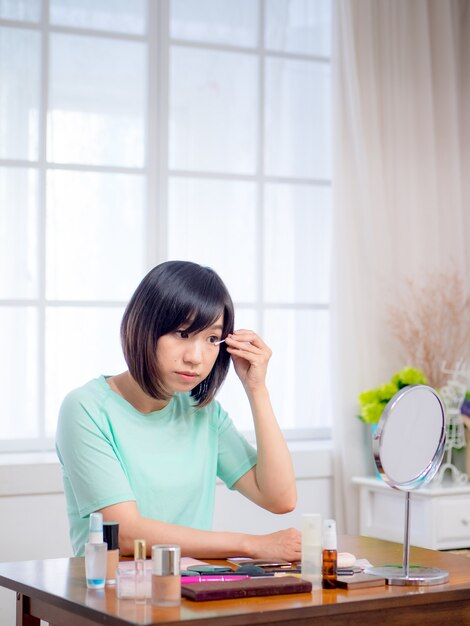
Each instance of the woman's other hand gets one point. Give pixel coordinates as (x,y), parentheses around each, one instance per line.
(283,545)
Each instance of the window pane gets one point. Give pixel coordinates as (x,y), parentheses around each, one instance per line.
(27,10)
(215,21)
(18,233)
(200,214)
(298,373)
(297,243)
(299,26)
(96,101)
(95,225)
(19,372)
(124,16)
(213,111)
(81,344)
(19,95)
(232,395)
(297,136)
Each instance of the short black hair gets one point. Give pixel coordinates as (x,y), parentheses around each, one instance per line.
(175,294)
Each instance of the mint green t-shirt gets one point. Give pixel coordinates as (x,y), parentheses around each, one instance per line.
(167,461)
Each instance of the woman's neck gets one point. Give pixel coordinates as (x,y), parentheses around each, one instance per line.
(125,386)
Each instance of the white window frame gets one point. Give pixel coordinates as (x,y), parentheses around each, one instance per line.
(155,170)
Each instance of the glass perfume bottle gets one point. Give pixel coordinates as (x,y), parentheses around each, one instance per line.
(140,555)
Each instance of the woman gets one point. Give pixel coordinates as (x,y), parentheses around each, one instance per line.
(144,447)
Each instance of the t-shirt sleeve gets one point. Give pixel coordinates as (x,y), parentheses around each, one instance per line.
(236,456)
(90,461)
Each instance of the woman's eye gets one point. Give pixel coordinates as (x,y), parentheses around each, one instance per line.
(213,339)
(182,333)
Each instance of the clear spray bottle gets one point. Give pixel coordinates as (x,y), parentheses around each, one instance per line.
(95,554)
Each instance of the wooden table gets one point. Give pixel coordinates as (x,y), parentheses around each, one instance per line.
(55,591)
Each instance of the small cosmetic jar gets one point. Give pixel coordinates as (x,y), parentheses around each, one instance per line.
(125,583)
(166,575)
(126,588)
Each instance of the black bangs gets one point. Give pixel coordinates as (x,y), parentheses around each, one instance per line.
(198,300)
(204,313)
(202,319)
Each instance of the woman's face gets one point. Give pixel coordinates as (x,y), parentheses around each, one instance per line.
(185,360)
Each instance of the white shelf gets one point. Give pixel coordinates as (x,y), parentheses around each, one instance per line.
(439,515)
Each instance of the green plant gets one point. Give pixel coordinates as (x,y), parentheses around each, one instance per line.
(373,402)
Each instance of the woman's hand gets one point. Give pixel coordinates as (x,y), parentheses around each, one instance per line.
(271,482)
(284,545)
(250,356)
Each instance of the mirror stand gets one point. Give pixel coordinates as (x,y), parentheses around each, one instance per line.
(408,447)
(407,574)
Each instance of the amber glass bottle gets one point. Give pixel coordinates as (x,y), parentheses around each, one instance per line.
(329,555)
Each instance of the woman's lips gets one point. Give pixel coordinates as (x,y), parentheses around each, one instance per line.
(187,375)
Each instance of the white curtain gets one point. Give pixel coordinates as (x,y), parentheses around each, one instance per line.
(401,87)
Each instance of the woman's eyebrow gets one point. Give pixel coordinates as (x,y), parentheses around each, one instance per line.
(216,327)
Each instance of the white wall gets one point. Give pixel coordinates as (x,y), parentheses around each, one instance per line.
(32,513)
(34,521)
(313,470)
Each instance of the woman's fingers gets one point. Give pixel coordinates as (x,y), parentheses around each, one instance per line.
(246,341)
(248,336)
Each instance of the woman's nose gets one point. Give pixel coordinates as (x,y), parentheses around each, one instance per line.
(193,352)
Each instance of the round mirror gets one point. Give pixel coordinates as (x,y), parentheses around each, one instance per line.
(409,442)
(408,447)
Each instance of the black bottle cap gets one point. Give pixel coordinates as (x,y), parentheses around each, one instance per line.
(111,535)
